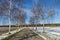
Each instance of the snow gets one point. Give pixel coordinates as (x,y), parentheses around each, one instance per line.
(51,30)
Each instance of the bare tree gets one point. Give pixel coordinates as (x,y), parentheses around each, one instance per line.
(23,17)
(6,6)
(20,16)
(35,12)
(38,12)
(51,14)
(32,21)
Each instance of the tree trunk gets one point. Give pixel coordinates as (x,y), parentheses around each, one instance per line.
(36,27)
(9,25)
(43,26)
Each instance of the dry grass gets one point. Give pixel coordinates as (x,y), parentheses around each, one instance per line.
(6,29)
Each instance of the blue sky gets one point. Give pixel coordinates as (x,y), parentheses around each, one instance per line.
(49,3)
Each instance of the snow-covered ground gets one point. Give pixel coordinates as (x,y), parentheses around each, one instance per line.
(52,30)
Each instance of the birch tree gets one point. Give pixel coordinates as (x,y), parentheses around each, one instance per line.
(32,21)
(38,12)
(51,14)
